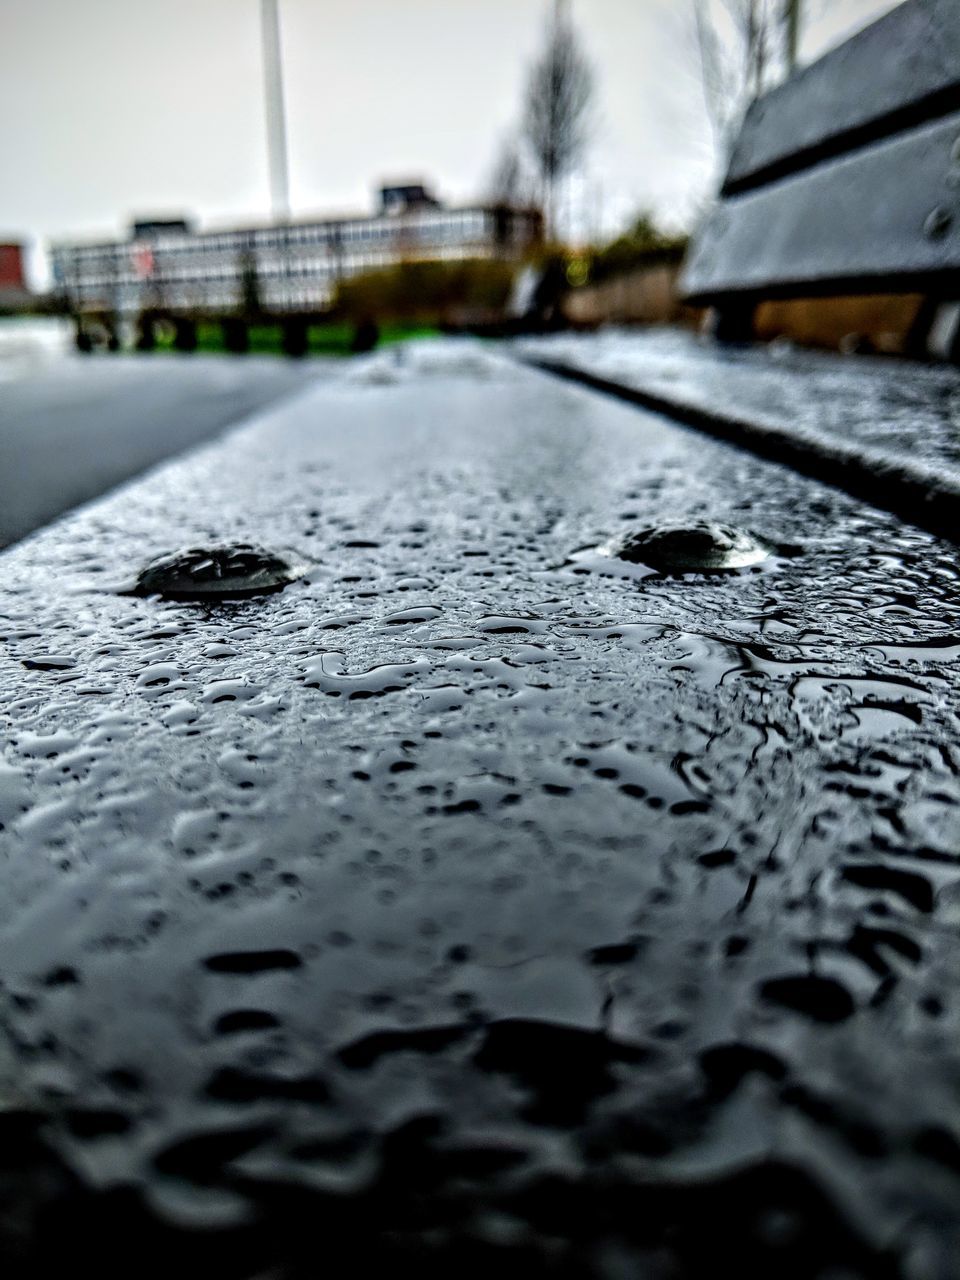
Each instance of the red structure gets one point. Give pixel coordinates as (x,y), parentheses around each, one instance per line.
(11,267)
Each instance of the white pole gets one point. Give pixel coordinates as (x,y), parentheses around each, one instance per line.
(793,33)
(276,118)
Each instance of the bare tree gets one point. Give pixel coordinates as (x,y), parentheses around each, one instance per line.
(746,46)
(509,179)
(557,107)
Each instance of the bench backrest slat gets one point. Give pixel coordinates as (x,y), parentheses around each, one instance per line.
(872,221)
(846,179)
(901,71)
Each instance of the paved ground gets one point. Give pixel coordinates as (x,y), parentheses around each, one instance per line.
(480,904)
(72,428)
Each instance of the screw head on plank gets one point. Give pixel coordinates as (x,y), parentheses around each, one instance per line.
(696,546)
(937,223)
(226,572)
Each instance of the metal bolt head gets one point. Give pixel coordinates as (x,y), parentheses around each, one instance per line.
(230,572)
(937,223)
(695,546)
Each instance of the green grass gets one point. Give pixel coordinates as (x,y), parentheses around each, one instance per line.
(332,339)
(400,332)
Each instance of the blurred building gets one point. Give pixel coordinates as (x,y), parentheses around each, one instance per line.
(281,268)
(144,228)
(14,291)
(402,197)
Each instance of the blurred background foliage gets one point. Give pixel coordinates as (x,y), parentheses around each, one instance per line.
(643,244)
(427,292)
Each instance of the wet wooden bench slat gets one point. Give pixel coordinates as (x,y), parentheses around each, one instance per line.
(845,179)
(881,219)
(899,71)
(456,836)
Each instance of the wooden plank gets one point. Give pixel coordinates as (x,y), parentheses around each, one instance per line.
(881,430)
(460,884)
(881,219)
(902,70)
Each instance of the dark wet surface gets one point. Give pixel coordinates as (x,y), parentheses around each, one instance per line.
(465,907)
(901,409)
(73,427)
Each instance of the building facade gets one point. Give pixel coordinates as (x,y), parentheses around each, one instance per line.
(14,291)
(281,269)
(12,274)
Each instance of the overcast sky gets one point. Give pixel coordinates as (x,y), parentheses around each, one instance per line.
(114,107)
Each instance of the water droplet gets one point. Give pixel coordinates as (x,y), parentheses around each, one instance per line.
(821,999)
(257,961)
(50,662)
(216,573)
